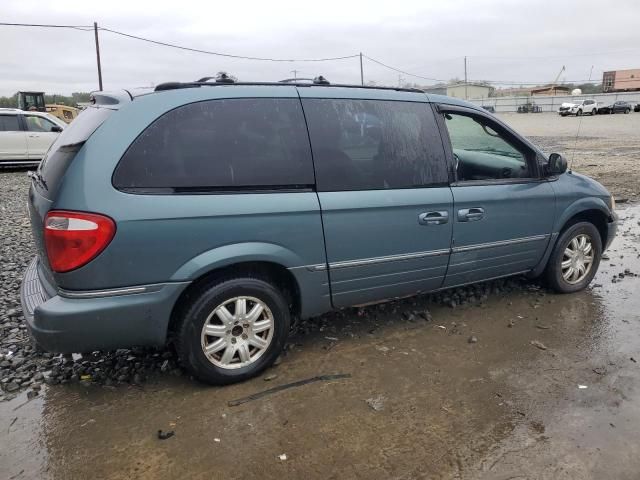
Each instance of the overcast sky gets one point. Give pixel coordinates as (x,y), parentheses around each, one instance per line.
(504,40)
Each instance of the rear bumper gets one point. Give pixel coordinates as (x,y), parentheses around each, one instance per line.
(70,322)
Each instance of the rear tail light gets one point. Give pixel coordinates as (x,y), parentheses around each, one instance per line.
(73,239)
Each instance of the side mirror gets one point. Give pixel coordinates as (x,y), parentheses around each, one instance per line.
(557,164)
(56,128)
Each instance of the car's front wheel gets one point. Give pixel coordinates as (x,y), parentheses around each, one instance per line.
(579,114)
(232,330)
(575,258)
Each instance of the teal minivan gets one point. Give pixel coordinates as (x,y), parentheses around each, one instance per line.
(211,213)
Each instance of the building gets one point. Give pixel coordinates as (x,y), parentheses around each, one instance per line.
(469,90)
(436,89)
(550,90)
(621,80)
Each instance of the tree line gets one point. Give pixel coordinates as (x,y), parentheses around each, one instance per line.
(70,100)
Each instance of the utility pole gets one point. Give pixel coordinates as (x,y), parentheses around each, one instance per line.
(361,71)
(466,94)
(295,74)
(95,31)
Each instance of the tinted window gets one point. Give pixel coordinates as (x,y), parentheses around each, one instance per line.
(249,142)
(38,124)
(9,123)
(481,152)
(59,156)
(372,144)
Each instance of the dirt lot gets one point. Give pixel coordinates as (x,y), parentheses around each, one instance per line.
(524,384)
(607,147)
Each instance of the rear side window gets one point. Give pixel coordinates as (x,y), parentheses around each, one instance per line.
(221,144)
(9,123)
(374,144)
(38,124)
(62,152)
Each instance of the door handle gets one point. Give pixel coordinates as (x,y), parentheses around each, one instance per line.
(470,214)
(34,136)
(433,218)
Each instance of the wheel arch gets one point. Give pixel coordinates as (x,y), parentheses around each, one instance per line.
(588,210)
(592,209)
(270,271)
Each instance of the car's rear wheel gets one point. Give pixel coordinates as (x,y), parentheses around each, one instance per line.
(594,111)
(575,258)
(627,110)
(232,330)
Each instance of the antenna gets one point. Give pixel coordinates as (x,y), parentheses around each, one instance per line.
(575,143)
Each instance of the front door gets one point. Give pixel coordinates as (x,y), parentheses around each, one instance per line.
(39,135)
(383,188)
(13,140)
(503,210)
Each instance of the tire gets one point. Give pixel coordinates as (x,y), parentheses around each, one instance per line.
(235,335)
(579,113)
(555,274)
(627,111)
(594,112)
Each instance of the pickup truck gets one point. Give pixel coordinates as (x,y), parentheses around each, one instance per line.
(578,108)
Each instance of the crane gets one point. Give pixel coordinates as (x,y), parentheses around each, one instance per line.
(555,82)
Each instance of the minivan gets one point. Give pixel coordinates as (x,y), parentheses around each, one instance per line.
(209,214)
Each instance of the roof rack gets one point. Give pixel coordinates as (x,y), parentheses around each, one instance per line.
(300,82)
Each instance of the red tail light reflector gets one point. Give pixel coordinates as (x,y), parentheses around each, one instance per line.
(73,239)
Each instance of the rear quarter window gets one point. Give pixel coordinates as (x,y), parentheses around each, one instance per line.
(63,150)
(221,144)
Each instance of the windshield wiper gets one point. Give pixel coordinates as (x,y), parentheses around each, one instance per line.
(37,176)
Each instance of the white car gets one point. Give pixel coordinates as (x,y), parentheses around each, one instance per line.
(580,107)
(26,136)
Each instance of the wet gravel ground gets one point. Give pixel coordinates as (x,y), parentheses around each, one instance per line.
(22,367)
(604,147)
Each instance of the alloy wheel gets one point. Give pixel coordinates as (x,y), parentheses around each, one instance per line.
(237,332)
(577,259)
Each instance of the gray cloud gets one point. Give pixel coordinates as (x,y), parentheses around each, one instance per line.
(505,40)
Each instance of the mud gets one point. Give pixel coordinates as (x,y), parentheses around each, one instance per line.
(497,408)
(605,147)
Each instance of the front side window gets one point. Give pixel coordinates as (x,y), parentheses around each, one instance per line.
(38,124)
(373,144)
(483,153)
(249,142)
(9,123)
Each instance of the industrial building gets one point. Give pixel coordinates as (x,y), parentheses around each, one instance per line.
(469,90)
(621,80)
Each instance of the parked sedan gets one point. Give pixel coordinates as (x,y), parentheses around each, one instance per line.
(617,107)
(26,136)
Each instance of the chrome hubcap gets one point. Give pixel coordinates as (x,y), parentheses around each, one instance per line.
(237,332)
(577,259)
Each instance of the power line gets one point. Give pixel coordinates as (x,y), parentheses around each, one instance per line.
(219,54)
(43,25)
(401,71)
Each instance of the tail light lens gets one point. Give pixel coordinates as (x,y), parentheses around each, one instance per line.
(73,239)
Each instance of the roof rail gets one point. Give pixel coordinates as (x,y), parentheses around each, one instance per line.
(300,83)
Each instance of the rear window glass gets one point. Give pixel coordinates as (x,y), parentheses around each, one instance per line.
(225,144)
(59,156)
(9,123)
(374,144)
